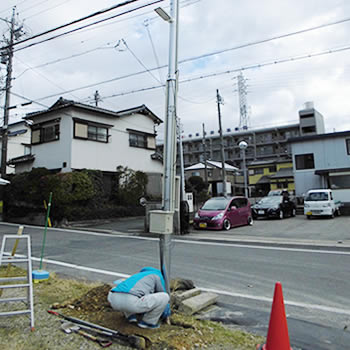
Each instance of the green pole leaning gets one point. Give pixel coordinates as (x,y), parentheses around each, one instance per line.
(46,222)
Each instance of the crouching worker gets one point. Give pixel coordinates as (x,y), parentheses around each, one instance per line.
(142,298)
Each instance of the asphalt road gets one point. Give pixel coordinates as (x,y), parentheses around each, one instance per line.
(315,282)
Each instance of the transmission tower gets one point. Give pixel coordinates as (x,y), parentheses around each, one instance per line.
(243,106)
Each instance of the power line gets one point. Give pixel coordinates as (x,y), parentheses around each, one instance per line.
(302,31)
(210,75)
(139,61)
(50,8)
(274,62)
(43,76)
(75,22)
(66,58)
(88,25)
(146,24)
(185,4)
(8,8)
(209,54)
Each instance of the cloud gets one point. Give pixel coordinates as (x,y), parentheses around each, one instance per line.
(275,92)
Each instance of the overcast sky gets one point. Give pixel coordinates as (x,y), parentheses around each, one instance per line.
(275,91)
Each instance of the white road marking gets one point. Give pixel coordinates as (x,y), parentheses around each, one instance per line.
(286,302)
(217,291)
(223,244)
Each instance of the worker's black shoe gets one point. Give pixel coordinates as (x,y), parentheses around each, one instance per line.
(143,324)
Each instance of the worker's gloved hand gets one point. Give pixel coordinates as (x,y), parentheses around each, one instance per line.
(166,313)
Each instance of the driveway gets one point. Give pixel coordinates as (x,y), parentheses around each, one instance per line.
(297,230)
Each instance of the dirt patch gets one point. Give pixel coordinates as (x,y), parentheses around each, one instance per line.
(183,332)
(88,301)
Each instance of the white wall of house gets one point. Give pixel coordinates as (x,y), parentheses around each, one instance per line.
(69,153)
(16,145)
(329,153)
(53,154)
(107,156)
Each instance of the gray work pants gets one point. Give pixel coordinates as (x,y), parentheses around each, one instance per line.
(151,305)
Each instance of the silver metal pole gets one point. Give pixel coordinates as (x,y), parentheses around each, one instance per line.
(245,175)
(170,141)
(181,156)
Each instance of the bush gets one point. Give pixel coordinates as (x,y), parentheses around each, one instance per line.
(78,195)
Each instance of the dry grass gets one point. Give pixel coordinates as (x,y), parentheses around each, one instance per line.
(86,300)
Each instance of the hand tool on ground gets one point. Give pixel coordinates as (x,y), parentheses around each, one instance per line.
(70,327)
(139,342)
(90,329)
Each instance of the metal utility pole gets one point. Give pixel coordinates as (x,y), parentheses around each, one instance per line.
(219,102)
(7,98)
(205,156)
(181,157)
(170,136)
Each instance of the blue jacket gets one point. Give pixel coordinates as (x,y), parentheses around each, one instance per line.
(149,280)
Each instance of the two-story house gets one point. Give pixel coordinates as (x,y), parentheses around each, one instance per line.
(70,136)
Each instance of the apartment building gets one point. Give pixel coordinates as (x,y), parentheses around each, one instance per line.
(265,144)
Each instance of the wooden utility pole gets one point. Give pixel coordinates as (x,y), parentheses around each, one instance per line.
(219,102)
(7,98)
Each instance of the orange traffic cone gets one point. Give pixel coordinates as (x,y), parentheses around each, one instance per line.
(277,335)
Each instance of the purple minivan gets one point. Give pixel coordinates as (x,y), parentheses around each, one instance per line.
(223,213)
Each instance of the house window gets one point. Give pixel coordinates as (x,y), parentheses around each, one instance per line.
(304,161)
(137,140)
(258,171)
(348,145)
(46,132)
(272,168)
(84,129)
(340,181)
(141,139)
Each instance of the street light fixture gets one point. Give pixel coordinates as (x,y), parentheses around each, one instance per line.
(243,146)
(163,14)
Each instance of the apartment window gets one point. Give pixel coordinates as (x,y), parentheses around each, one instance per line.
(272,168)
(46,132)
(258,171)
(87,130)
(304,161)
(348,146)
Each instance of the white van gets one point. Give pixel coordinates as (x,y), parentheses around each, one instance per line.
(321,202)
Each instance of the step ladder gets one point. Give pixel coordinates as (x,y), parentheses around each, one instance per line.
(28,281)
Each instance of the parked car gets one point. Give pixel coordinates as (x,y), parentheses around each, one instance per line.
(274,207)
(223,213)
(280,192)
(321,203)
